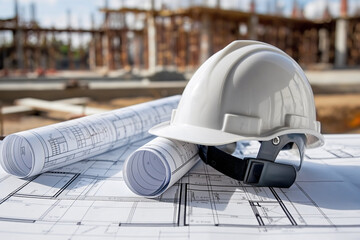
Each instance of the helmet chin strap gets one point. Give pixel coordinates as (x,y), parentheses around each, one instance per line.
(261,171)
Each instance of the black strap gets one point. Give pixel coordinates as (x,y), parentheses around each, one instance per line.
(261,171)
(223,162)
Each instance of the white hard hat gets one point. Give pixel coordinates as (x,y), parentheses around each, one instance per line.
(247,91)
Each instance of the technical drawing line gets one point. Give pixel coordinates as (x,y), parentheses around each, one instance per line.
(282,205)
(32,196)
(256,213)
(66,185)
(41,218)
(181,202)
(185,163)
(292,204)
(16,190)
(314,203)
(212,200)
(132,211)
(17,220)
(185,204)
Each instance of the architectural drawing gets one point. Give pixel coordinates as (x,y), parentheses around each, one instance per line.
(89,199)
(31,152)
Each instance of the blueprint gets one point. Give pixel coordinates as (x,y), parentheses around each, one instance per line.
(90,200)
(31,152)
(156,166)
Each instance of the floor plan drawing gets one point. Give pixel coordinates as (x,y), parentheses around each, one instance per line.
(89,200)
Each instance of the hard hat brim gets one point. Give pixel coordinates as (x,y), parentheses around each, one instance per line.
(194,134)
(212,137)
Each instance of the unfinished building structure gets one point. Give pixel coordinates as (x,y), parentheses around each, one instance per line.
(132,38)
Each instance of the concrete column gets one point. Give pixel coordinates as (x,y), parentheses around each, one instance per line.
(205,36)
(340,42)
(106,41)
(19,49)
(324,45)
(110,55)
(92,53)
(151,43)
(252,27)
(105,51)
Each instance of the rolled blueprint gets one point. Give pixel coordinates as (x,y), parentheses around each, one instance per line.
(156,166)
(31,152)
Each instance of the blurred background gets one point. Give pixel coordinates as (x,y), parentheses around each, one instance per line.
(64,59)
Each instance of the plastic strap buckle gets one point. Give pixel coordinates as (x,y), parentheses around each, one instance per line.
(264,173)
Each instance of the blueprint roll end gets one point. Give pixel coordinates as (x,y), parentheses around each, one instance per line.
(146,173)
(17,156)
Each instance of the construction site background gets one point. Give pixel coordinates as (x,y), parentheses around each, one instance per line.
(150,40)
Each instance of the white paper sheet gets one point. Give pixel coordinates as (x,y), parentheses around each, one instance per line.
(89,200)
(31,152)
(156,166)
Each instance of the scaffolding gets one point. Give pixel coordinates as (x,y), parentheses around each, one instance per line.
(182,39)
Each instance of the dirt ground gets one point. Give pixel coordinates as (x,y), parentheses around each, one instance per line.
(337,114)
